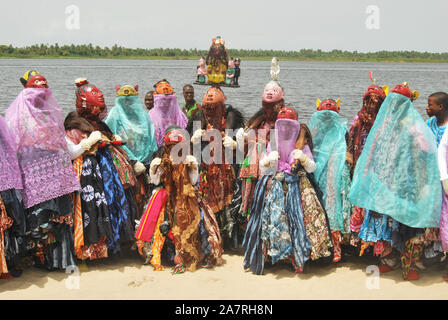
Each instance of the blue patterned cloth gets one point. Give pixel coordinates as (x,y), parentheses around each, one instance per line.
(436,129)
(375,229)
(253,253)
(117,203)
(275,227)
(301,245)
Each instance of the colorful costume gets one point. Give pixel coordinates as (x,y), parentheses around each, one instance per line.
(129,120)
(287,219)
(217,61)
(175,210)
(12,215)
(359,130)
(35,120)
(332,173)
(105,208)
(256,136)
(166,111)
(217,175)
(397,180)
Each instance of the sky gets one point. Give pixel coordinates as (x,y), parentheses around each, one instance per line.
(244,24)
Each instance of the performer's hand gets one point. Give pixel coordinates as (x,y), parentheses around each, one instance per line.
(298,155)
(154,164)
(270,159)
(139,168)
(93,138)
(117,138)
(197,135)
(191,161)
(229,142)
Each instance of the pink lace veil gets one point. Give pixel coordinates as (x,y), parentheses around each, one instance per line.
(286,134)
(10,177)
(35,120)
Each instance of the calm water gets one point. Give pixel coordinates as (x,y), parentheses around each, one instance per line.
(303,81)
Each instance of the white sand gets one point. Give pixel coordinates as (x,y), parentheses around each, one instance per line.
(127,278)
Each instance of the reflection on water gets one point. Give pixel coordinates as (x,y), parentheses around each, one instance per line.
(303,81)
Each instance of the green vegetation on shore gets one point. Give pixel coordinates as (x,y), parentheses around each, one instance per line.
(118,52)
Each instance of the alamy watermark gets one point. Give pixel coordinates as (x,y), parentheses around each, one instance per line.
(73,280)
(72,22)
(373,18)
(373,277)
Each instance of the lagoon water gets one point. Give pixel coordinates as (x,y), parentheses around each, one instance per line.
(303,81)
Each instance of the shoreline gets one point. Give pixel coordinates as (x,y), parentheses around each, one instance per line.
(242,58)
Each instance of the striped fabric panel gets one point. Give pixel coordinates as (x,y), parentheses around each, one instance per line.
(79,231)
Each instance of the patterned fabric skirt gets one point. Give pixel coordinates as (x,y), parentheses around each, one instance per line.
(315,219)
(117,203)
(95,212)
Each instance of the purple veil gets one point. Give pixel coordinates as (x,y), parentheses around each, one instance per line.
(10,177)
(286,134)
(166,112)
(35,120)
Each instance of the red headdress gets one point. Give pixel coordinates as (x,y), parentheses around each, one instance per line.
(287,113)
(329,104)
(33,79)
(89,99)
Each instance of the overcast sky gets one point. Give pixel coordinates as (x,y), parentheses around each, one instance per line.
(250,24)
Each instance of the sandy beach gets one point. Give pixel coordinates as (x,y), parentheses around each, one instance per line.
(127,278)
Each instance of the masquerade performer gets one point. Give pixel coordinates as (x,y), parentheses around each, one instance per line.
(217,61)
(329,132)
(287,219)
(201,71)
(217,177)
(12,214)
(166,111)
(131,122)
(359,130)
(105,208)
(396,180)
(254,137)
(48,179)
(174,212)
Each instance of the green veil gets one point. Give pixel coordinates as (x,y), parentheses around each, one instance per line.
(332,174)
(131,122)
(397,173)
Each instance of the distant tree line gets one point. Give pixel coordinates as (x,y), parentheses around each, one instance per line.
(90,51)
